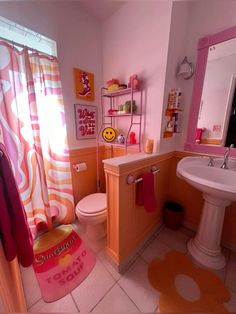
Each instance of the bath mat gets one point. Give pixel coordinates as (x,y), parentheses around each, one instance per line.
(185,288)
(61,263)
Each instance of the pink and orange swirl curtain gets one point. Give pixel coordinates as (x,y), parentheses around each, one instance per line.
(32,127)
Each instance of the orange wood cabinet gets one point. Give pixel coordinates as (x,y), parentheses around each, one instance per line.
(12,297)
(127,223)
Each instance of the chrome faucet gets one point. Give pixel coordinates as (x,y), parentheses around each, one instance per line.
(225,164)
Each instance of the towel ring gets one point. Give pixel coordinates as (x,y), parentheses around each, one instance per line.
(130,178)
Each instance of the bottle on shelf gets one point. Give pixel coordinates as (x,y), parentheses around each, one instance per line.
(132,138)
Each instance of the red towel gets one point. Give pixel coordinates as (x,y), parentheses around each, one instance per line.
(145,194)
(14,230)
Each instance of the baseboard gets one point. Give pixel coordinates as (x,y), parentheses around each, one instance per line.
(190,226)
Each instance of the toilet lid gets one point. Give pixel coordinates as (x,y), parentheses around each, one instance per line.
(93,203)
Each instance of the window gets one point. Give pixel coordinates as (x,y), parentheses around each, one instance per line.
(11,31)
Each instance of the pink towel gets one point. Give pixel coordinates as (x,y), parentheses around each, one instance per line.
(145,194)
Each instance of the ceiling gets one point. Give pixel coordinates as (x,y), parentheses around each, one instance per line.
(101,9)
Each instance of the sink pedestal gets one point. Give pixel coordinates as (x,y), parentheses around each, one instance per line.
(205,246)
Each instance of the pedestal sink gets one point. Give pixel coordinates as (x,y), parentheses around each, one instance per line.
(219,190)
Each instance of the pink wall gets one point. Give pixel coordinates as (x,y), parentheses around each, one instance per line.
(176,53)
(146,37)
(135,40)
(78,38)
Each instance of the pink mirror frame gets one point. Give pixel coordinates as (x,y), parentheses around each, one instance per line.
(203,45)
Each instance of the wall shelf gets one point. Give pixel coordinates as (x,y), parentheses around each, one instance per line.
(133,120)
(167,134)
(122,115)
(171,114)
(170,111)
(120,92)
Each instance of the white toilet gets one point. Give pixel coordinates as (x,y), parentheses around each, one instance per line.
(92,211)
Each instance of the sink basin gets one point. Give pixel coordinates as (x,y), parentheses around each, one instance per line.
(219,190)
(220,183)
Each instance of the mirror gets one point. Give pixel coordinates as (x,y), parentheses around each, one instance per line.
(217,105)
(212,119)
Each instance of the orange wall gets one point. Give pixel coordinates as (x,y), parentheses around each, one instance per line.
(190,198)
(85,183)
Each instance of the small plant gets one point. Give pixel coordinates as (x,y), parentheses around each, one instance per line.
(127,106)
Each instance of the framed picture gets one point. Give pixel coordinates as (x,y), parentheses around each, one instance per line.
(85,121)
(84,84)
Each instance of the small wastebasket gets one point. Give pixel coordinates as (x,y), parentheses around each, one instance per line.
(173,215)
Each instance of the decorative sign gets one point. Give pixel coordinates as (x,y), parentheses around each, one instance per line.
(85,121)
(109,134)
(84,84)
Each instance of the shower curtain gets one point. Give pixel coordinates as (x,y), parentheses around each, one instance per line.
(32,127)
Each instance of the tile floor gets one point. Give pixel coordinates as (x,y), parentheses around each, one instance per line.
(107,291)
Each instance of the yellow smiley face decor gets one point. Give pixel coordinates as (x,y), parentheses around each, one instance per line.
(109,134)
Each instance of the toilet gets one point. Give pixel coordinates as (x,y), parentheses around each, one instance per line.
(92,211)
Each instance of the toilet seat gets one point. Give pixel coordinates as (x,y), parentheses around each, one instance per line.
(93,204)
(92,211)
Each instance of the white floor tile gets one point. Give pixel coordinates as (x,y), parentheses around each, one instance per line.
(231,272)
(175,240)
(100,291)
(135,283)
(93,288)
(31,287)
(155,249)
(78,227)
(189,233)
(65,304)
(116,301)
(231,305)
(105,260)
(96,246)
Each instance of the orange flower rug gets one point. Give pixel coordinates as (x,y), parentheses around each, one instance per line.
(185,288)
(61,263)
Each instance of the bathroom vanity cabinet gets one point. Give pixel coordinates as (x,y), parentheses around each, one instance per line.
(122,111)
(12,298)
(129,226)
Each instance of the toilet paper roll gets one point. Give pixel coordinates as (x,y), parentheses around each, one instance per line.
(80,167)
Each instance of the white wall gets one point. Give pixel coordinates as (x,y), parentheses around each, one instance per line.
(176,53)
(78,38)
(135,41)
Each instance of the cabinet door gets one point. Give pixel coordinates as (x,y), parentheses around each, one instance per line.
(12,297)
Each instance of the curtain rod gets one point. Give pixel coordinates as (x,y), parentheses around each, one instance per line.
(24,46)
